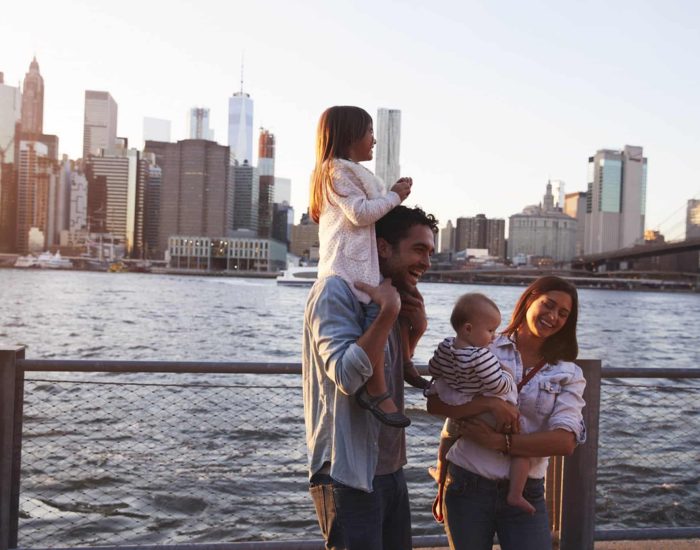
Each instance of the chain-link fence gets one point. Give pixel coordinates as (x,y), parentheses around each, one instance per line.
(649,454)
(144,459)
(193,458)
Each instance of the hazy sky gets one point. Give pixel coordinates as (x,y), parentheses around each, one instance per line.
(496,96)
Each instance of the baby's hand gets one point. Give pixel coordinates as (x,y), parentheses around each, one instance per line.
(403,188)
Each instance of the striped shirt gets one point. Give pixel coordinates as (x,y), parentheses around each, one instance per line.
(470,371)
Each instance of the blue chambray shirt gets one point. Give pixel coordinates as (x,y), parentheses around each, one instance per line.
(334,367)
(552,399)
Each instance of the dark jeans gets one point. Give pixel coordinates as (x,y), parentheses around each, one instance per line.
(476,508)
(351,519)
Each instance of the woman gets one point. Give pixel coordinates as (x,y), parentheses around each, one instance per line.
(538,346)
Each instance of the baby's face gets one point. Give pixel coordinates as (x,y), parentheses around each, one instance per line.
(481,330)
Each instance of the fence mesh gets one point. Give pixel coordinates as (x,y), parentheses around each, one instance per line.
(649,454)
(166,459)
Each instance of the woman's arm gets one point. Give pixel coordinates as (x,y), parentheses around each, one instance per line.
(558,442)
(505,413)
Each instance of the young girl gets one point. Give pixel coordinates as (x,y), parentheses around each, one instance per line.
(346,201)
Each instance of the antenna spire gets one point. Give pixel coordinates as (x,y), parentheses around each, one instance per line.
(242,60)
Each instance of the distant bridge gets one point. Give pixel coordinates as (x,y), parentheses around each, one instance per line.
(678,256)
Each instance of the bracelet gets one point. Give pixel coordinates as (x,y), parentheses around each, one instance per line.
(509,441)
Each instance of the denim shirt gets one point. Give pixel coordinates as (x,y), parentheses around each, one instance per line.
(334,367)
(552,399)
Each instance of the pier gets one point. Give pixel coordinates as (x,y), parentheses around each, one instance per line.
(203,444)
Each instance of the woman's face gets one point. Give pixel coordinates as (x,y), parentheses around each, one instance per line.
(547,315)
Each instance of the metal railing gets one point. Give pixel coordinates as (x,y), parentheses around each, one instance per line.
(186,454)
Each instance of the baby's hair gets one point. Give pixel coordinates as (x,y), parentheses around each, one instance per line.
(467,306)
(338,128)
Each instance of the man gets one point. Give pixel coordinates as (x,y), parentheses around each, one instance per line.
(355,462)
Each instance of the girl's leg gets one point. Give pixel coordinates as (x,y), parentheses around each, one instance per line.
(374,395)
(410,373)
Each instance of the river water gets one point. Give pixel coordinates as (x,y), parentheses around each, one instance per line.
(649,464)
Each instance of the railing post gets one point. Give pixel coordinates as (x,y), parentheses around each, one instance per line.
(580,472)
(9,451)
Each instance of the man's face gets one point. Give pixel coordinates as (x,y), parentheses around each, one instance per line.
(407,262)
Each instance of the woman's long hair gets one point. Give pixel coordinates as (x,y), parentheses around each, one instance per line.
(338,128)
(560,346)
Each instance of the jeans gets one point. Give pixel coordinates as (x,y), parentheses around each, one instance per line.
(351,519)
(476,508)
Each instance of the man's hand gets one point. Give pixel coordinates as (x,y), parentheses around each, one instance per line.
(413,310)
(385,296)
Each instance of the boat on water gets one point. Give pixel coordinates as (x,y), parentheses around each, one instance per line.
(298,276)
(26,261)
(53,261)
(45,260)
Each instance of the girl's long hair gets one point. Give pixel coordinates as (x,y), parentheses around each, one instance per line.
(560,346)
(338,128)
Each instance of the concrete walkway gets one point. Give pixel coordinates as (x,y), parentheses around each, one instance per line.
(690,544)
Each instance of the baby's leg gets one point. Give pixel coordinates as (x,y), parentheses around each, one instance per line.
(519,469)
(438,471)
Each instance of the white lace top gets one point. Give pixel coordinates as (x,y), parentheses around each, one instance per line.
(347,240)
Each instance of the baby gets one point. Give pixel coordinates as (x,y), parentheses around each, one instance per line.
(463,367)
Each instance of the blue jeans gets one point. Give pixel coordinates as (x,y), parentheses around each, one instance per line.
(476,508)
(351,519)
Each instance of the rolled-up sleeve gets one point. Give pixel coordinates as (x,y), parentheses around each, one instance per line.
(568,409)
(336,320)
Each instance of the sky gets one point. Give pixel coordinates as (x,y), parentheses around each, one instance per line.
(496,97)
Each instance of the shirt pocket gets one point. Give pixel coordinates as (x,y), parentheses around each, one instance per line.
(547,393)
(357,246)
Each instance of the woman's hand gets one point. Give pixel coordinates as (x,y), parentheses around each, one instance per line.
(507,415)
(482,434)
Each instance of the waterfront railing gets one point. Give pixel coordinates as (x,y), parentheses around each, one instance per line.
(185,455)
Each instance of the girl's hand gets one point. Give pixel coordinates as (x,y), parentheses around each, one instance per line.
(403,188)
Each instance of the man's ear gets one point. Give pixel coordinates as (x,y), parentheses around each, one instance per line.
(383,248)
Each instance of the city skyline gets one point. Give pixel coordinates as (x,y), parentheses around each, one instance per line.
(486,119)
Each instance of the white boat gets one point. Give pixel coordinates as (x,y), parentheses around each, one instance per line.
(49,261)
(298,276)
(26,261)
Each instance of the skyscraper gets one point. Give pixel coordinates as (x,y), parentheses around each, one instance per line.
(447,238)
(480,232)
(240,126)
(692,222)
(616,199)
(10,115)
(100,123)
(575,206)
(33,100)
(199,124)
(194,191)
(266,170)
(36,187)
(245,197)
(388,136)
